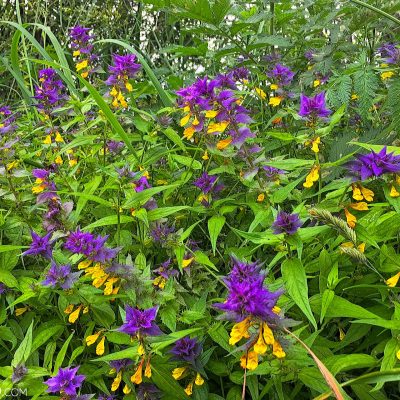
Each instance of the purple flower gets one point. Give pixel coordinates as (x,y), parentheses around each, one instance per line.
(272,172)
(247,295)
(3,288)
(390,53)
(80,39)
(60,275)
(240,73)
(286,223)
(66,381)
(40,246)
(141,184)
(125,172)
(373,165)
(309,54)
(186,349)
(166,269)
(50,91)
(124,68)
(281,74)
(120,364)
(313,107)
(140,322)
(41,174)
(115,146)
(7,119)
(106,397)
(206,182)
(161,233)
(148,391)
(240,135)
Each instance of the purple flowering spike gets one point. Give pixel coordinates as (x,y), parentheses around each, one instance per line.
(124,67)
(50,91)
(286,223)
(373,165)
(390,53)
(166,269)
(120,364)
(3,288)
(18,373)
(7,119)
(79,242)
(247,295)
(206,182)
(60,275)
(141,184)
(80,39)
(115,146)
(281,74)
(66,381)
(140,322)
(40,246)
(186,349)
(161,233)
(313,107)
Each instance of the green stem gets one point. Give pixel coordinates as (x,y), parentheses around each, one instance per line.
(377,10)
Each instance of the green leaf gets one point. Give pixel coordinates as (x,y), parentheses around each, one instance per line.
(215,225)
(172,135)
(294,277)
(162,212)
(110,220)
(48,330)
(24,350)
(140,198)
(131,352)
(61,354)
(187,161)
(327,297)
(283,193)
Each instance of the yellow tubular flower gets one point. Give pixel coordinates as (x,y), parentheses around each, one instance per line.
(268,334)
(147,371)
(74,315)
(261,93)
(91,339)
(116,382)
(189,132)
(315,144)
(100,346)
(211,113)
(316,83)
(47,140)
(205,155)
(222,144)
(277,350)
(76,53)
(392,282)
(69,309)
(20,311)
(398,354)
(260,347)
(187,262)
(58,138)
(387,75)
(81,65)
(361,206)
(84,74)
(350,218)
(199,380)
(368,194)
(261,197)
(217,127)
(394,192)
(274,101)
(239,331)
(185,120)
(178,373)
(126,389)
(312,177)
(128,86)
(274,86)
(249,361)
(137,377)
(189,389)
(357,195)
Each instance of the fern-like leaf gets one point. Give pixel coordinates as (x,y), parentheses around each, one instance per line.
(366,84)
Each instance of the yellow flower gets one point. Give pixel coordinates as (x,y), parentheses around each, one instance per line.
(58,138)
(312,177)
(277,350)
(199,380)
(189,389)
(47,140)
(100,346)
(38,189)
(178,373)
(394,192)
(239,331)
(128,86)
(116,382)
(85,74)
(85,310)
(222,144)
(342,335)
(81,65)
(268,334)
(398,354)
(189,132)
(141,349)
(274,86)
(84,264)
(217,127)
(147,371)
(357,195)
(69,309)
(205,155)
(260,347)
(261,93)
(74,315)
(249,361)
(392,282)
(387,75)
(211,113)
(126,389)
(274,101)
(58,160)
(350,218)
(276,310)
(187,262)
(76,53)
(160,281)
(354,96)
(137,377)
(108,288)
(185,120)
(12,165)
(316,83)
(20,311)
(368,194)
(261,197)
(315,144)
(72,162)
(91,339)
(361,206)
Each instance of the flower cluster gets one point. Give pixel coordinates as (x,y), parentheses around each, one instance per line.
(313,108)
(50,92)
(286,223)
(60,275)
(208,186)
(7,120)
(374,165)
(390,52)
(253,307)
(211,106)
(82,46)
(188,351)
(280,76)
(124,68)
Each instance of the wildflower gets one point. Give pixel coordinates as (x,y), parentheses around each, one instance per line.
(374,165)
(165,271)
(390,52)
(206,182)
(309,54)
(115,146)
(140,322)
(18,373)
(274,101)
(249,360)
(3,288)
(313,107)
(394,192)
(66,381)
(162,233)
(40,246)
(148,391)
(387,75)
(272,173)
(286,223)
(187,350)
(392,282)
(361,193)
(7,121)
(124,68)
(281,74)
(60,275)
(50,91)
(350,218)
(312,177)
(261,94)
(141,184)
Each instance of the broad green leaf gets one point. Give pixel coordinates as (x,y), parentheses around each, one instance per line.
(215,225)
(24,350)
(61,354)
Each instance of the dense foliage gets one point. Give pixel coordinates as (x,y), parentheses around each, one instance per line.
(217,219)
